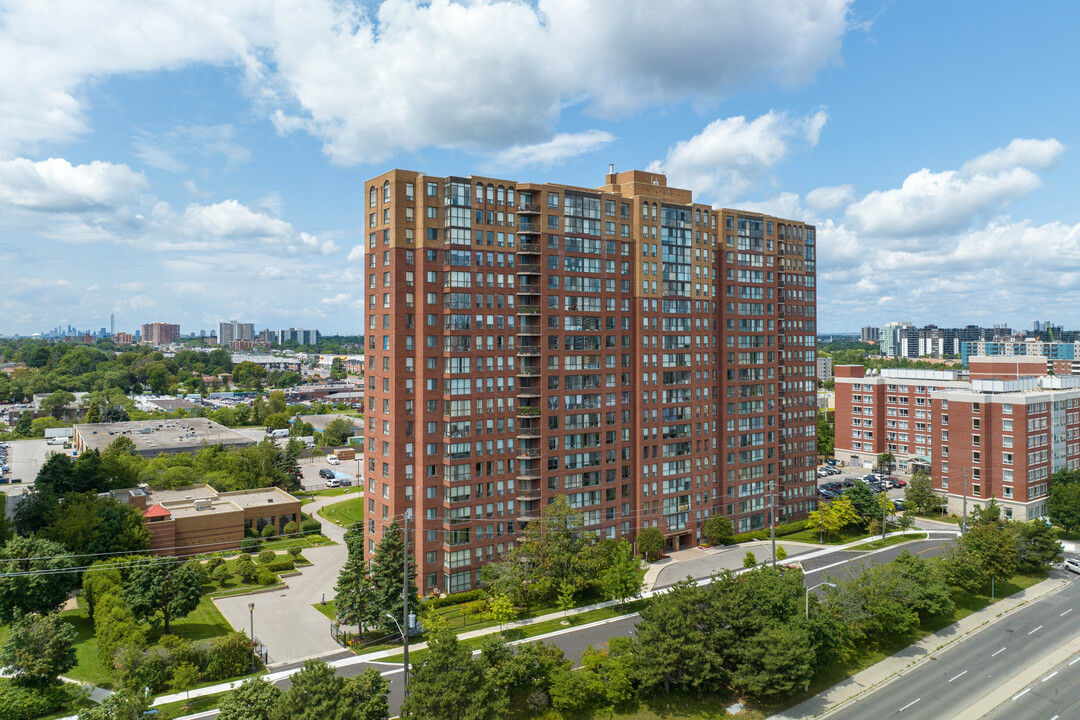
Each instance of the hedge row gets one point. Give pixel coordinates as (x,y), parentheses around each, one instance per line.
(455,599)
(781,530)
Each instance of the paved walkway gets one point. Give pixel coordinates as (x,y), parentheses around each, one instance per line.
(843,693)
(285,621)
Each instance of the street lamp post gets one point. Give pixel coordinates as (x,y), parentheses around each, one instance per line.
(405,641)
(832,585)
(251,613)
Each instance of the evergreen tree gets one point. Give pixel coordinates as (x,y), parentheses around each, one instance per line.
(445,683)
(93,412)
(367,694)
(354,592)
(315,694)
(253,700)
(386,575)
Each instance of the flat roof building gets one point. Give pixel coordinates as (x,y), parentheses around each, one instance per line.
(152,437)
(647,356)
(199,519)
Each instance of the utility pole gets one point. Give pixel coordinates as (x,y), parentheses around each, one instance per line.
(405,597)
(885,500)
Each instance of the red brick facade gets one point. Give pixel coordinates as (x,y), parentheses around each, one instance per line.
(646,356)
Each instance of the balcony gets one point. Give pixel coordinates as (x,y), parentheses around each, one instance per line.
(528,495)
(528,310)
(529,454)
(529,228)
(528,352)
(530,248)
(528,372)
(528,434)
(528,392)
(528,411)
(528,208)
(528,269)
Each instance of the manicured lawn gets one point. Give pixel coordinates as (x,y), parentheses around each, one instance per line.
(329,609)
(182,708)
(330,492)
(954,519)
(205,621)
(878,544)
(814,536)
(88,668)
(344,513)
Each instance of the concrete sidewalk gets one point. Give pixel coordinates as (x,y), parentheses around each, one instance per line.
(838,696)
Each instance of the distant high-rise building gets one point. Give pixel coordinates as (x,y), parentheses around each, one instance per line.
(302,337)
(122,338)
(889,338)
(160,333)
(231,331)
(647,356)
(870,334)
(112,323)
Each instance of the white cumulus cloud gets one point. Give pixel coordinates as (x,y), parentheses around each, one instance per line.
(57,185)
(559,149)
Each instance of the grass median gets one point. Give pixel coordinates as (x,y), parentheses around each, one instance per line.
(344,513)
(889,541)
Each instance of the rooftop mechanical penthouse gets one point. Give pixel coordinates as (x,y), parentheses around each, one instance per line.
(649,357)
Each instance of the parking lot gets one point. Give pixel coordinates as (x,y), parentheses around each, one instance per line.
(855,475)
(311,467)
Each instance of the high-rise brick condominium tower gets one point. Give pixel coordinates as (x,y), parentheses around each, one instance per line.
(648,357)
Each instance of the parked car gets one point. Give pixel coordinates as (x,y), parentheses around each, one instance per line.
(1072,565)
(333,460)
(326,473)
(333,483)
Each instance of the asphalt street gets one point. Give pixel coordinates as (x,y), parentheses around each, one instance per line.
(956,682)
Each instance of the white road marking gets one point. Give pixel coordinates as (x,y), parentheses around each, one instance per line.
(1021,694)
(1050,676)
(1035,630)
(910,704)
(1055,717)
(998,652)
(958,676)
(1074,661)
(1066,612)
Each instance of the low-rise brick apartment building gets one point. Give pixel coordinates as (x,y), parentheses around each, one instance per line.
(1000,435)
(647,356)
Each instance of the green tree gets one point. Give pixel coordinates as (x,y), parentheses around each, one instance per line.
(906,521)
(501,610)
(24,426)
(826,435)
(114,413)
(57,402)
(623,576)
(567,590)
(254,699)
(184,677)
(39,649)
(719,530)
(367,694)
(650,542)
(864,502)
(444,684)
(920,493)
(387,569)
(678,642)
(989,514)
(934,595)
(886,461)
(160,586)
(993,548)
(121,705)
(337,432)
(93,412)
(315,694)
(277,421)
(33,577)
(1037,546)
(355,601)
(337,369)
(780,661)
(1064,503)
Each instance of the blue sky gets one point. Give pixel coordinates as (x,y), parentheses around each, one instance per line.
(200,161)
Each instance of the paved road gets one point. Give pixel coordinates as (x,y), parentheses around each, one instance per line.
(956,682)
(1052,697)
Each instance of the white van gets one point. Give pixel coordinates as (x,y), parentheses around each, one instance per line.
(333,459)
(56,441)
(278,433)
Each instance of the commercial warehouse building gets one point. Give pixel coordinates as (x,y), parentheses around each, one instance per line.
(152,437)
(647,356)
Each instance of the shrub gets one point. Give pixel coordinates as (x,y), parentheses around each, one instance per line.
(295,551)
(291,528)
(317,539)
(249,545)
(136,669)
(18,702)
(281,565)
(310,526)
(454,599)
(221,573)
(250,533)
(199,571)
(228,656)
(214,563)
(245,568)
(265,577)
(266,557)
(781,530)
(268,531)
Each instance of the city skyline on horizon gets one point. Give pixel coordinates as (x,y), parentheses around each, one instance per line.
(216,171)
